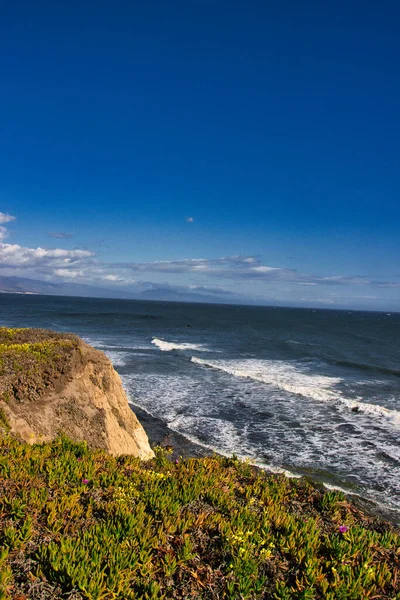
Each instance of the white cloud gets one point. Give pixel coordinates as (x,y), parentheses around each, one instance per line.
(6,218)
(13,255)
(262,269)
(192,265)
(111,277)
(189,220)
(117,279)
(68,273)
(249,268)
(251,260)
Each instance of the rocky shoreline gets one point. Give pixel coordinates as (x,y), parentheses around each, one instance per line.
(159,434)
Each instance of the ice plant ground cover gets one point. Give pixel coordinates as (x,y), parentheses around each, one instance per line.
(80,524)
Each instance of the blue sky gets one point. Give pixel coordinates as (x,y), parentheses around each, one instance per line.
(259,137)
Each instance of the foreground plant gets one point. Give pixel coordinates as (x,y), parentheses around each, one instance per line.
(80,524)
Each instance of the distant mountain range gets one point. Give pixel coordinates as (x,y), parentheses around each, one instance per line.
(22,285)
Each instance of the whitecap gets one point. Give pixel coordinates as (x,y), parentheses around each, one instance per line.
(169,346)
(279,374)
(100,344)
(118,358)
(288,377)
(376,410)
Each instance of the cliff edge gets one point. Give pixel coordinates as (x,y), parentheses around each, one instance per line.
(52,383)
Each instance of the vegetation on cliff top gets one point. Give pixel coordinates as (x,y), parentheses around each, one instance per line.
(80,524)
(32,361)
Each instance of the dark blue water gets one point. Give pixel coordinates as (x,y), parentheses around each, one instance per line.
(308,391)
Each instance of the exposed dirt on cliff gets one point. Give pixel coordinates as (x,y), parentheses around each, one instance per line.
(52,383)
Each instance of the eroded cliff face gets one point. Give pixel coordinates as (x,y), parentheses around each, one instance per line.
(52,383)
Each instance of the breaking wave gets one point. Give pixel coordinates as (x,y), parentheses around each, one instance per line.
(287,377)
(169,346)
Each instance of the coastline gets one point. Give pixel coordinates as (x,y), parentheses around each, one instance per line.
(159,434)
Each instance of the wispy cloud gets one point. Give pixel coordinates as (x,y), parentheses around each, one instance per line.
(229,267)
(60,235)
(389,284)
(69,273)
(117,279)
(249,268)
(6,218)
(189,220)
(191,265)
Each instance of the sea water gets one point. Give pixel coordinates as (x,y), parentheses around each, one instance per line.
(302,391)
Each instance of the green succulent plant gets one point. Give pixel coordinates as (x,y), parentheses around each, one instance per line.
(84,522)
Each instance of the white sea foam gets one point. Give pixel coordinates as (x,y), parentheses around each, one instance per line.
(108,344)
(168,346)
(234,445)
(117,357)
(288,377)
(94,342)
(278,374)
(391,452)
(372,409)
(229,437)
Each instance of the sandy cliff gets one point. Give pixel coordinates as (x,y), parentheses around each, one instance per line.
(52,383)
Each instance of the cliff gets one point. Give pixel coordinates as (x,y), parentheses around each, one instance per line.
(52,383)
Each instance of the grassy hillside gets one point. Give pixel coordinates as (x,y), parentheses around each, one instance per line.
(81,524)
(34,361)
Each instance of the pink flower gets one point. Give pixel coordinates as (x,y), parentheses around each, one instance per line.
(85,481)
(79,459)
(176,461)
(343,528)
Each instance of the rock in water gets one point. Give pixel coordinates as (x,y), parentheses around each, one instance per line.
(52,383)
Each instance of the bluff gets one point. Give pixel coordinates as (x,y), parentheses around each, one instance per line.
(52,383)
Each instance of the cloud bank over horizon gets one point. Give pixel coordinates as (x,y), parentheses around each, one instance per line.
(268,283)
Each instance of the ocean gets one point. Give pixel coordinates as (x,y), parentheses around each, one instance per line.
(301,391)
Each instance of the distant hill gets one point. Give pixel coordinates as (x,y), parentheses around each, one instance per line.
(23,285)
